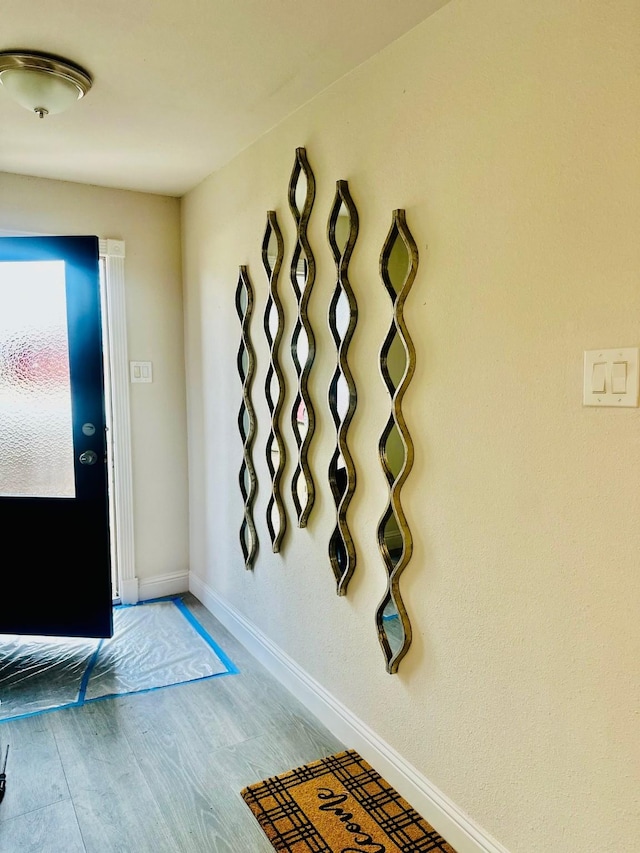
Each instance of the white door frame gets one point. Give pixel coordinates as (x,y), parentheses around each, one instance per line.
(113,252)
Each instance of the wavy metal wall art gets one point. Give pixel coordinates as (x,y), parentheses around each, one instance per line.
(398,267)
(247,418)
(302,190)
(342,232)
(272,252)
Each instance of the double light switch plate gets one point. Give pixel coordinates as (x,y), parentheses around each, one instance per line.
(611,377)
(141,371)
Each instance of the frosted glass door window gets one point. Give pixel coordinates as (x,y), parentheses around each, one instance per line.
(36,437)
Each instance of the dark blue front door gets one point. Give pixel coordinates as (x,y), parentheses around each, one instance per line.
(54,520)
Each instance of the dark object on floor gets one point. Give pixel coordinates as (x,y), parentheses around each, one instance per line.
(338,803)
(3,775)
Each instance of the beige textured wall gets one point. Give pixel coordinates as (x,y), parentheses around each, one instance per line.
(508,130)
(150,227)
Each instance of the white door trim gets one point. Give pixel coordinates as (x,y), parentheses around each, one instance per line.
(113,251)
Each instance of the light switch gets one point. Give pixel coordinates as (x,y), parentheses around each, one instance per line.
(599,378)
(141,371)
(611,377)
(619,377)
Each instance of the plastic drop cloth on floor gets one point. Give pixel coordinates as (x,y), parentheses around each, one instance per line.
(155,644)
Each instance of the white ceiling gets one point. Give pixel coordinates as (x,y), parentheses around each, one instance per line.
(181,87)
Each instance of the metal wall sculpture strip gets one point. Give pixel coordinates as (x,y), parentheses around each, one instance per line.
(398,267)
(272,252)
(342,232)
(247,418)
(302,190)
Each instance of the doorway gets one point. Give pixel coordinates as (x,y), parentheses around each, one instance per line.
(112,275)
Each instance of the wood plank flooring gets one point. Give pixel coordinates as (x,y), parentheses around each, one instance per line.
(158,772)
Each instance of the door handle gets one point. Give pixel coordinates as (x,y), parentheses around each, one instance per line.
(88,458)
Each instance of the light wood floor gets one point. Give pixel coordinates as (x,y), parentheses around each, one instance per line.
(158,772)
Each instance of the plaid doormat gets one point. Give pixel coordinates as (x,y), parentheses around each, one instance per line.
(339,803)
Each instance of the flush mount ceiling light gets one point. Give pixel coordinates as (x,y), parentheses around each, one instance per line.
(42,83)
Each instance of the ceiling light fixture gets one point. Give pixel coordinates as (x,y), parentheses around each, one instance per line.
(42,83)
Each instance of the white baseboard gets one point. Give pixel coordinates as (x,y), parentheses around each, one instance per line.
(158,587)
(449,820)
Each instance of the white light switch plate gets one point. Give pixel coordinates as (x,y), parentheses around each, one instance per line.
(141,371)
(611,377)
